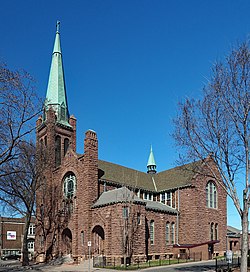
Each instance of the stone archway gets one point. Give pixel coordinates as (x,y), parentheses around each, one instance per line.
(67,241)
(98,240)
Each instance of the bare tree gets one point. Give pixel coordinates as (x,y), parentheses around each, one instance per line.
(19,106)
(129,223)
(50,219)
(217,126)
(19,187)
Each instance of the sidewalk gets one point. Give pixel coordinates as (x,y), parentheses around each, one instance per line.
(84,266)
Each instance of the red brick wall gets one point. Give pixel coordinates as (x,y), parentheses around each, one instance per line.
(50,193)
(112,221)
(12,225)
(234,244)
(196,217)
(160,220)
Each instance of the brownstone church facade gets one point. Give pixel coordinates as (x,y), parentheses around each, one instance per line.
(86,204)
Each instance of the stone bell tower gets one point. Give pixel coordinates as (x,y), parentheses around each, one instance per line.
(55,134)
(56,130)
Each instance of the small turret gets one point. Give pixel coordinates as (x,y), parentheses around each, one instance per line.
(151,166)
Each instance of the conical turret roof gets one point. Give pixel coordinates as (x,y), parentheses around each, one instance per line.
(56,90)
(151,162)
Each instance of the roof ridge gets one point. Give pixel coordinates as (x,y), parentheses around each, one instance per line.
(123,166)
(181,166)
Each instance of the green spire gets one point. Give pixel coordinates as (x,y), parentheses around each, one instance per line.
(151,162)
(56,90)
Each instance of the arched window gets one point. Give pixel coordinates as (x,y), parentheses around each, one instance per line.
(172,233)
(212,231)
(66,145)
(58,150)
(167,232)
(138,218)
(69,185)
(216,231)
(215,197)
(211,195)
(82,237)
(152,232)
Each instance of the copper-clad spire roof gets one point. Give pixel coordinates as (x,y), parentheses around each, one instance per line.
(151,162)
(56,90)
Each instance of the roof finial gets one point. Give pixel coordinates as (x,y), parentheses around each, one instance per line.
(151,162)
(57,26)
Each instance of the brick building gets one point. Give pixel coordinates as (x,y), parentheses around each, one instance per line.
(234,237)
(11,236)
(117,211)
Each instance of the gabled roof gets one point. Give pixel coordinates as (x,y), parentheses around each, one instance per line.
(180,176)
(121,175)
(177,177)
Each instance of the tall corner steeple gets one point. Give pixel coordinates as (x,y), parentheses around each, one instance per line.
(151,166)
(56,91)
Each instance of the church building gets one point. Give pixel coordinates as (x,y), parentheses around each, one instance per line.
(84,204)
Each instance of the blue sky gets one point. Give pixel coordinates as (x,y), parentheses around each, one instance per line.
(127,64)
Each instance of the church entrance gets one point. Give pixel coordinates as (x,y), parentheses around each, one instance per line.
(210,251)
(98,240)
(67,241)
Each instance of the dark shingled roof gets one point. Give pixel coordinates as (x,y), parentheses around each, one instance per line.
(119,195)
(157,206)
(123,195)
(125,176)
(231,231)
(177,177)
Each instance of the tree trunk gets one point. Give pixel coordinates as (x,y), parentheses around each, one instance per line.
(244,243)
(25,253)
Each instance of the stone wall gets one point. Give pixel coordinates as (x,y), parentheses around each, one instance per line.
(195,217)
(104,226)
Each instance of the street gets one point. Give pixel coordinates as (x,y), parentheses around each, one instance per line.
(185,267)
(15,266)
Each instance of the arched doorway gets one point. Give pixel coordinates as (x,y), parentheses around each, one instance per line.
(98,240)
(67,241)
